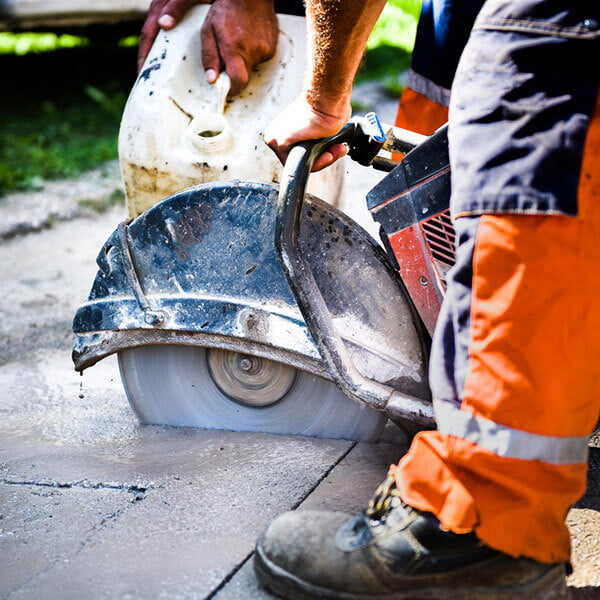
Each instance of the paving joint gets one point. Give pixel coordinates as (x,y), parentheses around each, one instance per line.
(325,475)
(242,563)
(229,576)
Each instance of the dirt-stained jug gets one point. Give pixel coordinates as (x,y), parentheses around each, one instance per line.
(178,130)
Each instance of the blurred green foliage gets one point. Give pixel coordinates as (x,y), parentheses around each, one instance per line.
(59,140)
(61,105)
(397,25)
(130,41)
(390,45)
(26,43)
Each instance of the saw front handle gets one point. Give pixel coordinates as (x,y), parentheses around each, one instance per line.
(402,408)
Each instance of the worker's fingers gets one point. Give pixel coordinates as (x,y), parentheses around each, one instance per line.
(149,30)
(323,161)
(238,73)
(330,156)
(237,36)
(300,122)
(173,11)
(216,56)
(162,14)
(211,59)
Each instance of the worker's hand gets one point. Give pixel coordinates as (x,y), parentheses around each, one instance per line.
(300,122)
(236,35)
(162,14)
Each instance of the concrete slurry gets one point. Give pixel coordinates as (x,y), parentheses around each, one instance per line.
(94,505)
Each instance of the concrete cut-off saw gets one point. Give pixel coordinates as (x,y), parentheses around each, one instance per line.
(255,307)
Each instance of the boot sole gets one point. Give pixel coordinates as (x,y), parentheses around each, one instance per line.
(549,586)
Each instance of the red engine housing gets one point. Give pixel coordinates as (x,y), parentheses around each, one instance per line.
(412,205)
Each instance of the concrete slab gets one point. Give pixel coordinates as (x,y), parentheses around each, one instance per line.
(198,519)
(34,537)
(45,276)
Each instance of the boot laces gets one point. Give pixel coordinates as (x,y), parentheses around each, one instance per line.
(386,497)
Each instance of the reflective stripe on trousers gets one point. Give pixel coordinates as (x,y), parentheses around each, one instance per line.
(509,442)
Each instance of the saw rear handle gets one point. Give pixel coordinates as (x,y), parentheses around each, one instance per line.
(365,138)
(371,136)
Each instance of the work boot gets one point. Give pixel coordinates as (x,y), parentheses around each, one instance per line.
(393,551)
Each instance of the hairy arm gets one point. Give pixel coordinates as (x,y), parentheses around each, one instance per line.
(337,35)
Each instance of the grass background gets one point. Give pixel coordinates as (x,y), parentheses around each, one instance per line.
(61,110)
(64,94)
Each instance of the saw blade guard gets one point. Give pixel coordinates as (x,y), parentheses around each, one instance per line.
(201,269)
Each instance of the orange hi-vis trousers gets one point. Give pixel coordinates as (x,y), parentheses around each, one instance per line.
(515,366)
(418,113)
(509,459)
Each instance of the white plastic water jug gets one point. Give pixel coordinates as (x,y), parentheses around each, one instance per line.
(177,130)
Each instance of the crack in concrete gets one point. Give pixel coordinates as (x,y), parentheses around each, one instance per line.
(89,537)
(81,484)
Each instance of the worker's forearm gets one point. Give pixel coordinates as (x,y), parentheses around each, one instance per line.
(337,35)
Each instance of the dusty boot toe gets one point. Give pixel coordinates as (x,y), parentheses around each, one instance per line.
(286,558)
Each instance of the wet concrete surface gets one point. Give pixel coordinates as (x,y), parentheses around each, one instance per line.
(94,505)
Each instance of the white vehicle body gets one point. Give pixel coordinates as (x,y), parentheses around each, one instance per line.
(34,14)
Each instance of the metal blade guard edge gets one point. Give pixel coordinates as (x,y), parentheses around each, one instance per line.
(201,269)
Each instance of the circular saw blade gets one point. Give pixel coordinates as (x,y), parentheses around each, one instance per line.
(173,385)
(251,380)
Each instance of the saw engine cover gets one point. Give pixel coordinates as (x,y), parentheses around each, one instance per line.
(192,296)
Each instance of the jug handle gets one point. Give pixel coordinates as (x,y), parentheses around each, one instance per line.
(222,85)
